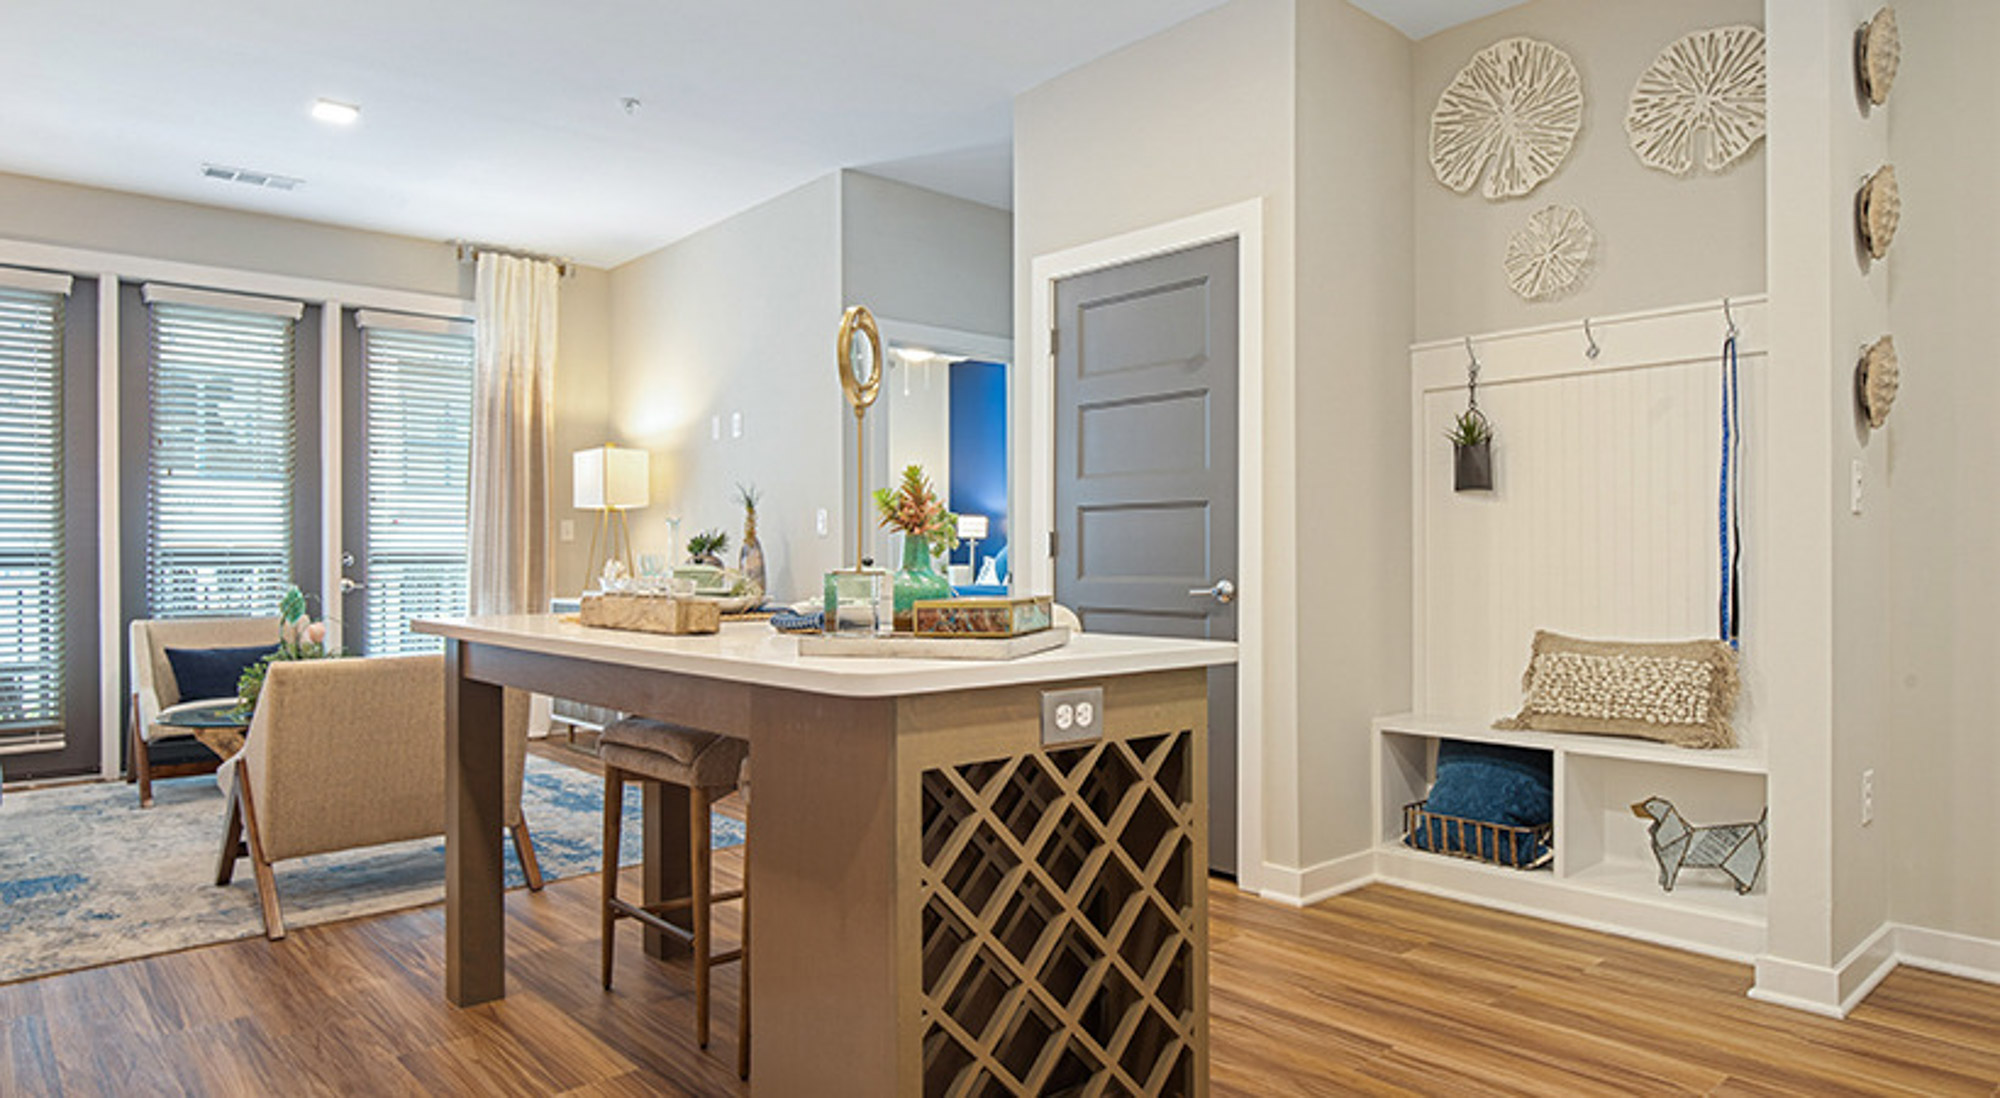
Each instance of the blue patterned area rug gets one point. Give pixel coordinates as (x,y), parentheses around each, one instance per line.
(87,877)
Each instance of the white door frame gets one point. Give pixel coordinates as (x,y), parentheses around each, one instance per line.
(1035,453)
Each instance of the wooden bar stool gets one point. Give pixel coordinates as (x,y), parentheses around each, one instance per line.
(708,766)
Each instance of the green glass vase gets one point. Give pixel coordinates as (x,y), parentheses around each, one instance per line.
(917,580)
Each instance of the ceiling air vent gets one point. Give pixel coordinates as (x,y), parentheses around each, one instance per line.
(252,178)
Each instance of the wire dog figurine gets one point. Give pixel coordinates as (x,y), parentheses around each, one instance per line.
(1736,849)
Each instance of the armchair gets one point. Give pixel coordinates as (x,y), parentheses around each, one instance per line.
(154,687)
(349,753)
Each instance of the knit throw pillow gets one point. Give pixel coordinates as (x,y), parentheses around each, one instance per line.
(1679,692)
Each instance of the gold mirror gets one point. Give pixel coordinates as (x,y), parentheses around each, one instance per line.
(860,360)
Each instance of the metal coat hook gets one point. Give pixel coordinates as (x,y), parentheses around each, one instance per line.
(1729,316)
(1590,338)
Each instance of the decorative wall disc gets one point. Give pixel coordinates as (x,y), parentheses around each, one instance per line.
(1710,81)
(1547,258)
(1878,208)
(1515,108)
(1877,379)
(1878,52)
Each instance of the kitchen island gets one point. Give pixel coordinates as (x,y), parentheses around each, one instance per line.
(944,902)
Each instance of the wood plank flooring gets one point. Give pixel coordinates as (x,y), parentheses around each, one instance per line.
(1382,991)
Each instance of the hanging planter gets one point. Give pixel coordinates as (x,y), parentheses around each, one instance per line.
(1472,452)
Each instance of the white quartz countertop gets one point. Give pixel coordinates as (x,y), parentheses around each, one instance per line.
(753,652)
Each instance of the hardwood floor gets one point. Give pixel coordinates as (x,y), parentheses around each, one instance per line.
(1381,991)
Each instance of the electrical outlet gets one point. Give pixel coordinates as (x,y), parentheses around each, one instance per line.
(819,522)
(736,425)
(1867,797)
(566,530)
(1854,486)
(1072,716)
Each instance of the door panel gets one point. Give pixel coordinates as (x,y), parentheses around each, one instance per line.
(1146,458)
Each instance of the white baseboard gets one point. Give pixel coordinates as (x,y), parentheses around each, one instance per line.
(1313,884)
(1828,990)
(1952,954)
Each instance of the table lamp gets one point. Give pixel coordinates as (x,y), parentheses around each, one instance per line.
(610,480)
(972,528)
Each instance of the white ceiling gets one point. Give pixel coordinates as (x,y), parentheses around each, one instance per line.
(1423,18)
(500,120)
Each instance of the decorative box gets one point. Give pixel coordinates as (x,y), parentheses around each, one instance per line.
(650,613)
(983,617)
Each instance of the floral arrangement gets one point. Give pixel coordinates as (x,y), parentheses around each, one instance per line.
(915,509)
(299,638)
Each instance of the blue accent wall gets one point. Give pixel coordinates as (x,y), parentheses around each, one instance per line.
(979,452)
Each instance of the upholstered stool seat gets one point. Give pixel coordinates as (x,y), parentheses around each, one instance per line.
(708,766)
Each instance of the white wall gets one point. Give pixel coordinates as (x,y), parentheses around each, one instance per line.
(1660,239)
(1943,456)
(1353,420)
(738,318)
(920,256)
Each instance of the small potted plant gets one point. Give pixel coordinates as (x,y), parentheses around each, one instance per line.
(707,548)
(928,530)
(299,638)
(1471,438)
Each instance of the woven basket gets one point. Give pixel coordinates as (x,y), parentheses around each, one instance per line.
(1476,840)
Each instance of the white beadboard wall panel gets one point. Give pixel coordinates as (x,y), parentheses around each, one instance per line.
(1603,521)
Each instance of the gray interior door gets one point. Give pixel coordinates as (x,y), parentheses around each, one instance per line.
(1146,469)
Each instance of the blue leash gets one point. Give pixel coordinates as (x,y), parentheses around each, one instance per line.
(1729,500)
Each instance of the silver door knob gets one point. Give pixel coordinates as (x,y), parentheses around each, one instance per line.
(1223,591)
(348,586)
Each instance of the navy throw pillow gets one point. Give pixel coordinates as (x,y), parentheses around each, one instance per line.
(1491,783)
(212,672)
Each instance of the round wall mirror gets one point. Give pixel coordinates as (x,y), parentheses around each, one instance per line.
(860,357)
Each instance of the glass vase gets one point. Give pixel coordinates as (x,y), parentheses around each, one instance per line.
(918,579)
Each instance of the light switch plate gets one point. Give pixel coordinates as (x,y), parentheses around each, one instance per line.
(1072,716)
(736,425)
(819,522)
(566,530)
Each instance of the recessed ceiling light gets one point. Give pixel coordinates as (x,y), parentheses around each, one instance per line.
(339,114)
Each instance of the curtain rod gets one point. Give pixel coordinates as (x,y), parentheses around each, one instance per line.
(468,251)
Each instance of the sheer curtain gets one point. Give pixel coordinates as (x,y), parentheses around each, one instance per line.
(512,434)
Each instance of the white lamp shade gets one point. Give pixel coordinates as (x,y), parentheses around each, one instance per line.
(972,526)
(610,478)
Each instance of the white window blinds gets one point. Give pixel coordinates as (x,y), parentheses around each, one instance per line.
(221,461)
(418,425)
(31,520)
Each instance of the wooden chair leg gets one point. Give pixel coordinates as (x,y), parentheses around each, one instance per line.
(267,886)
(132,744)
(232,841)
(614,807)
(524,852)
(143,760)
(698,893)
(743,972)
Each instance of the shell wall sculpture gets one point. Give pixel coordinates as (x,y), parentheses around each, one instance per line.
(1877,379)
(1878,209)
(1712,82)
(1878,53)
(1548,256)
(1507,120)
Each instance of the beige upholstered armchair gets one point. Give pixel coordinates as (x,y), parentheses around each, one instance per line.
(154,687)
(349,753)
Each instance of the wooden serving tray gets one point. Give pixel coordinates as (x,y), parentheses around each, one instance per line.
(907,647)
(650,613)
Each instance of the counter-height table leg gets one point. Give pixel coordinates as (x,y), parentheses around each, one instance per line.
(475,962)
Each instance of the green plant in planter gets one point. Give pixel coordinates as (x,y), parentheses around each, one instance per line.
(707,547)
(299,638)
(1470,428)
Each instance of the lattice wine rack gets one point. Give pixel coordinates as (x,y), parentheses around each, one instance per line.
(1061,936)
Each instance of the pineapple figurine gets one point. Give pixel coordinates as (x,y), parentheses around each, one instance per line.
(750,558)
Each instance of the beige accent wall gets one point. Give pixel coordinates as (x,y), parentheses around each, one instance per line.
(1942,457)
(1661,240)
(738,318)
(1301,106)
(50,212)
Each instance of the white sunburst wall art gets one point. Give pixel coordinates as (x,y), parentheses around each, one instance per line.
(1549,256)
(1507,121)
(1712,82)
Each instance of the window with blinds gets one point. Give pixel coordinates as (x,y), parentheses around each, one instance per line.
(417,423)
(221,460)
(31,520)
